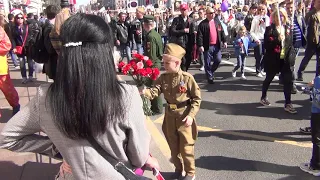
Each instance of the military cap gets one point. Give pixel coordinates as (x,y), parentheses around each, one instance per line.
(148,19)
(174,50)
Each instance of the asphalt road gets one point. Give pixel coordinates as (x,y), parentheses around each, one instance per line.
(239,138)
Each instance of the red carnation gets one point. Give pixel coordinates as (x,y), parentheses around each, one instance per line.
(271,38)
(149,63)
(142,72)
(132,62)
(148,71)
(126,69)
(155,73)
(138,56)
(121,65)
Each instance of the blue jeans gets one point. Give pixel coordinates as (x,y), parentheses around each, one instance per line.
(164,40)
(310,51)
(140,48)
(23,66)
(241,61)
(125,50)
(201,58)
(14,58)
(258,55)
(212,60)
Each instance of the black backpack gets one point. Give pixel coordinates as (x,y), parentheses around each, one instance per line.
(36,42)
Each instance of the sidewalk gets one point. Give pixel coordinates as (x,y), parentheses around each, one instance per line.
(29,166)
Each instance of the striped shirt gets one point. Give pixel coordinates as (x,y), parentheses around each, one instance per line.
(297,34)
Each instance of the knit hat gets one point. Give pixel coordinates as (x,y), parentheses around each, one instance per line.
(174,50)
(64,3)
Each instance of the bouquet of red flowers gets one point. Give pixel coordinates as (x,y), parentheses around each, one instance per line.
(140,68)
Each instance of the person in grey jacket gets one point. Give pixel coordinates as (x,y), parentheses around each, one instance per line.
(86,101)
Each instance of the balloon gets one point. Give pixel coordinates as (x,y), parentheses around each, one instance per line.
(224,6)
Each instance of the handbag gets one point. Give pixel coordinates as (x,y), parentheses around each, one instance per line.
(19,49)
(117,165)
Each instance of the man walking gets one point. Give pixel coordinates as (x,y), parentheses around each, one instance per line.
(209,39)
(182,33)
(153,49)
(136,30)
(122,37)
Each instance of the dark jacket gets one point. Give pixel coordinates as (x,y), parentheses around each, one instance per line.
(8,28)
(203,35)
(50,67)
(18,38)
(134,27)
(312,20)
(122,33)
(177,34)
(272,44)
(248,21)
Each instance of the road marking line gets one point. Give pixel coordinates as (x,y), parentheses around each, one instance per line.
(159,120)
(253,136)
(253,70)
(159,139)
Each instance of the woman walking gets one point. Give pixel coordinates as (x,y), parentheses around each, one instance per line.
(279,57)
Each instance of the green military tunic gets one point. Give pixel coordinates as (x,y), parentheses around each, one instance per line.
(153,47)
(178,88)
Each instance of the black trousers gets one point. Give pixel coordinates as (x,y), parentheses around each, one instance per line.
(315,134)
(287,84)
(186,60)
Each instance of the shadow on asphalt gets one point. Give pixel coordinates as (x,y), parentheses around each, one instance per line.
(6,115)
(257,110)
(221,163)
(28,171)
(277,135)
(36,83)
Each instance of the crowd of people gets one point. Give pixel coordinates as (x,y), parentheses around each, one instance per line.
(76,52)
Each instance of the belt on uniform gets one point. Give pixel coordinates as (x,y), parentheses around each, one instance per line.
(179,105)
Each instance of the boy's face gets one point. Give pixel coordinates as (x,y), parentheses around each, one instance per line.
(170,65)
(242,33)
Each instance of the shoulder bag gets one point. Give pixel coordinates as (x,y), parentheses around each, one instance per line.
(118,165)
(19,49)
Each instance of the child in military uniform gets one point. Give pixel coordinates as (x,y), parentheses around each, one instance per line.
(183,97)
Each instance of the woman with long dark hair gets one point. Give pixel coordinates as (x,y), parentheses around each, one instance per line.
(86,101)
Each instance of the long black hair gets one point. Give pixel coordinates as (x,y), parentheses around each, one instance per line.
(86,96)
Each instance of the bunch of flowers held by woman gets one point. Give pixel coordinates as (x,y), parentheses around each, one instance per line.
(142,72)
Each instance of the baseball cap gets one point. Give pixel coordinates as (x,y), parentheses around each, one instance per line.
(184,6)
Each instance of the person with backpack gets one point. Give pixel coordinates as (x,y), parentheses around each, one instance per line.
(19,45)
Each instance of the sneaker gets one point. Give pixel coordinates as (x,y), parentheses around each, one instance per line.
(265,102)
(30,79)
(15,110)
(234,74)
(189,177)
(294,89)
(17,67)
(306,130)
(300,78)
(24,80)
(210,81)
(263,73)
(243,77)
(259,75)
(289,108)
(202,68)
(308,169)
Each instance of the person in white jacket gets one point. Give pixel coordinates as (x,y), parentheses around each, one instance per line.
(258,27)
